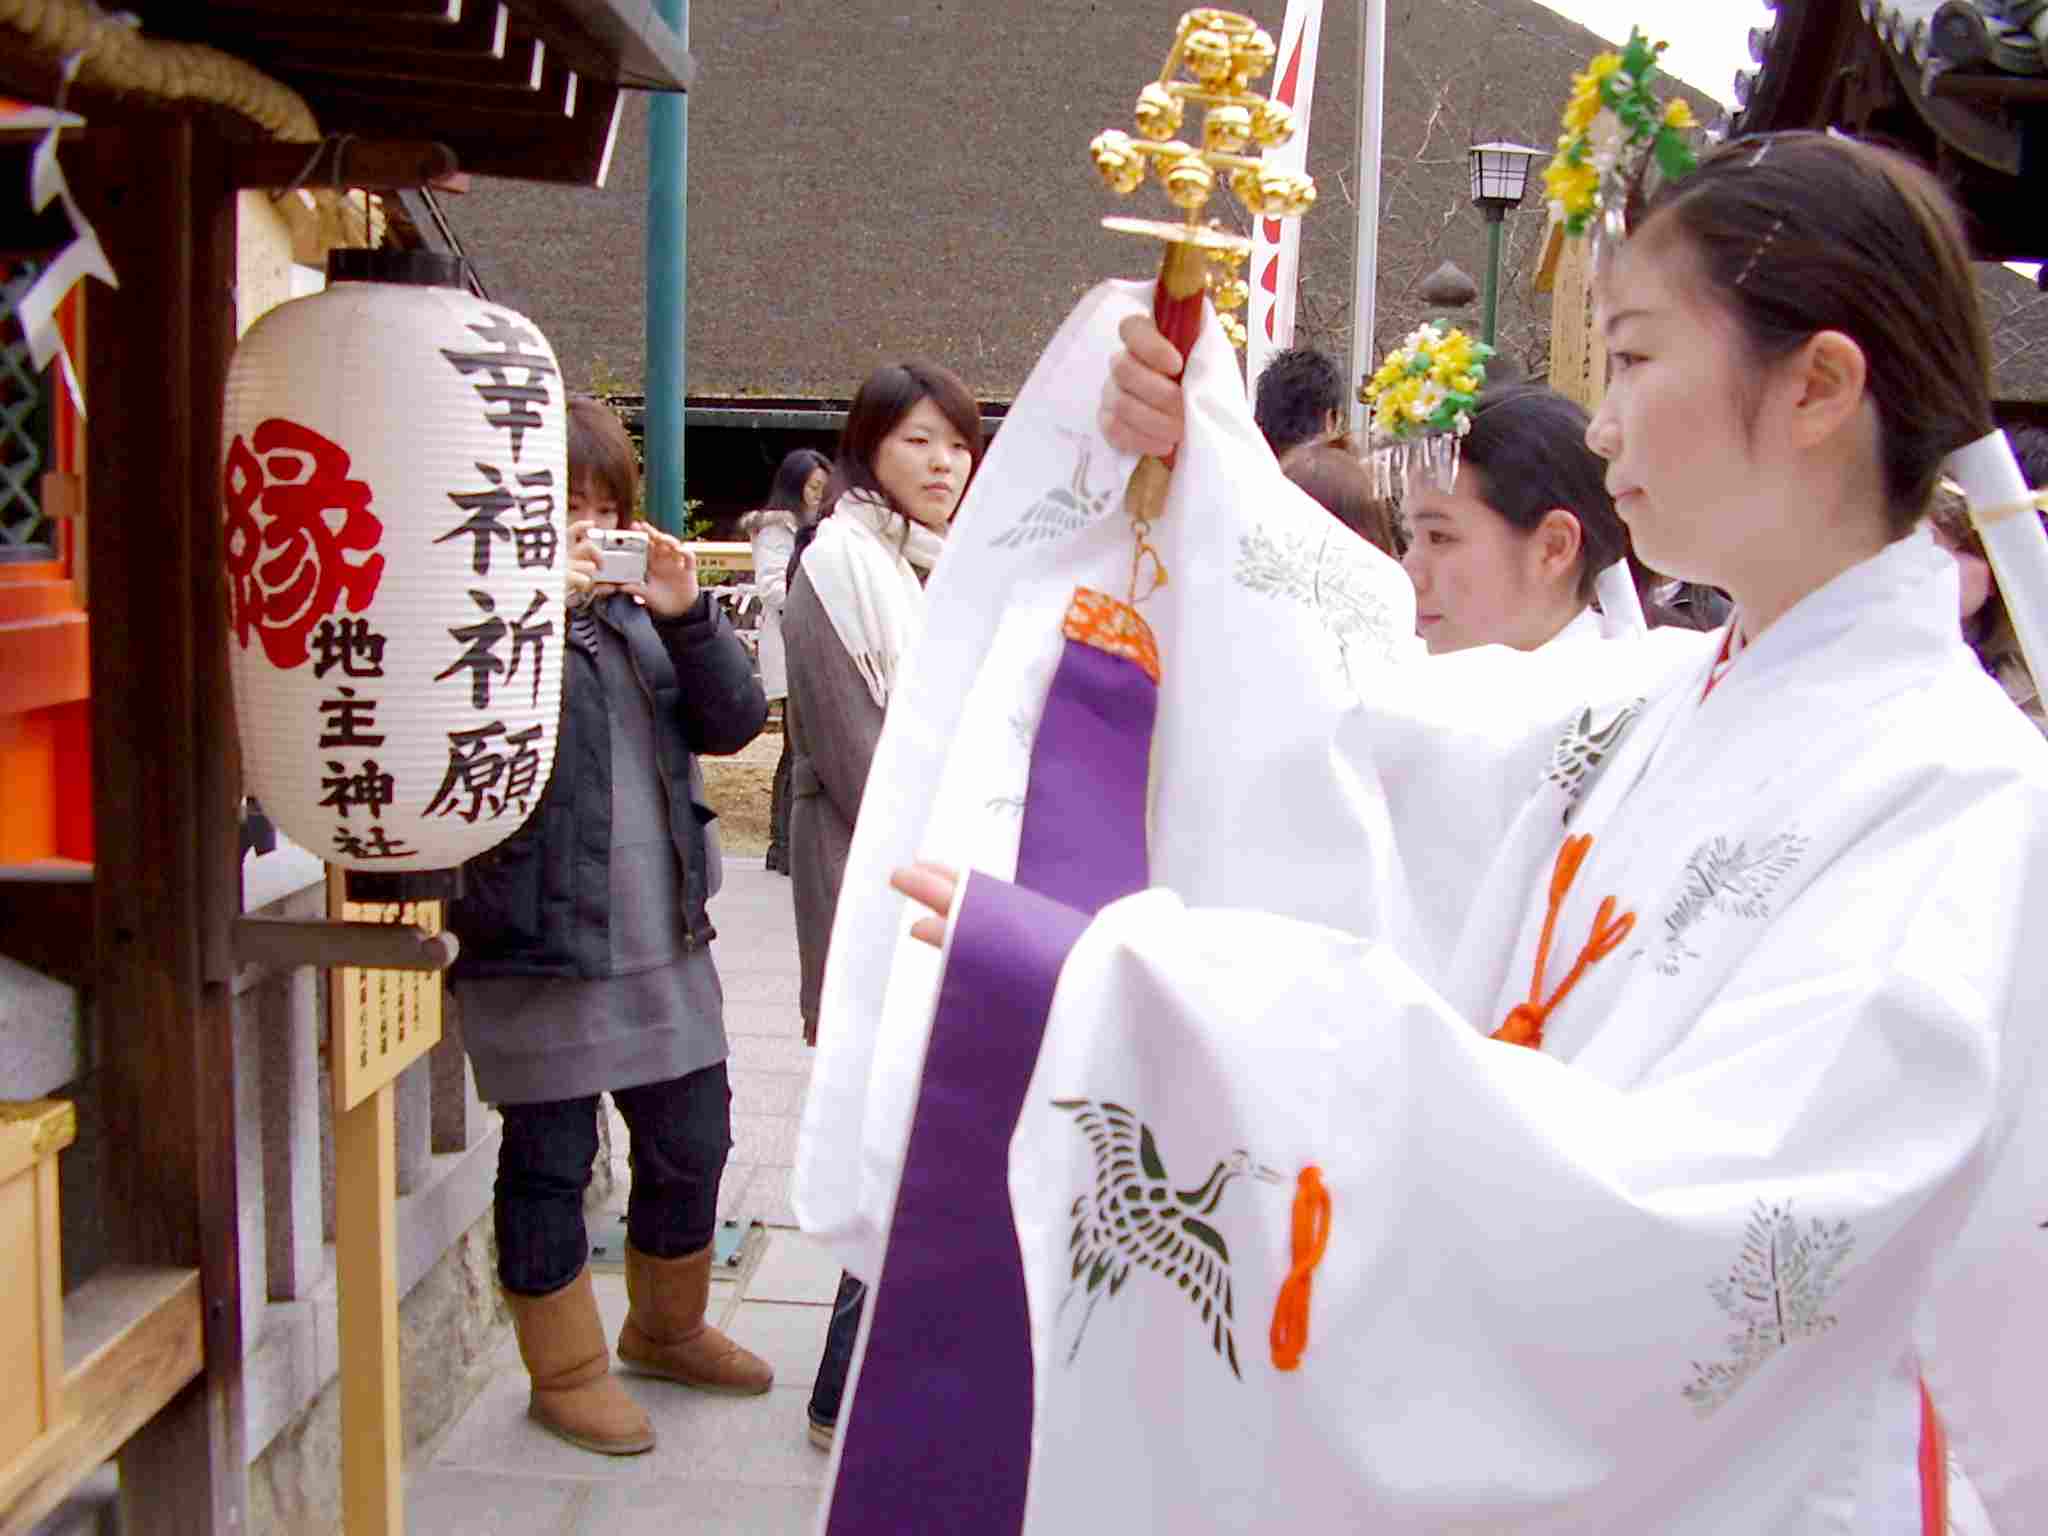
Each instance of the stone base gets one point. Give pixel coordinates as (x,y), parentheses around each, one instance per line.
(449,1327)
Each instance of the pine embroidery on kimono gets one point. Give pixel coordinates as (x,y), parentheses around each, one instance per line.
(1133,1216)
(1326,576)
(1581,752)
(1063,510)
(1732,881)
(1778,1291)
(1025,730)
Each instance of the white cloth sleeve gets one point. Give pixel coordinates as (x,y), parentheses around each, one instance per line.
(1544,1305)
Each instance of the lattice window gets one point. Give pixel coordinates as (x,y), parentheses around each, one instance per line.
(25,533)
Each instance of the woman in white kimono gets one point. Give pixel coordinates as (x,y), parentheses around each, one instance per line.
(1701,1190)
(1509,552)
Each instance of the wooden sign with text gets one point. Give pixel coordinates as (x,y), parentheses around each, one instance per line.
(379,1022)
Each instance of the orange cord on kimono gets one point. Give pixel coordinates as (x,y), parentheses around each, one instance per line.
(1933,1468)
(1525,1021)
(1311,1236)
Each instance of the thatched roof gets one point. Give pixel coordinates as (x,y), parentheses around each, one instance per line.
(871,180)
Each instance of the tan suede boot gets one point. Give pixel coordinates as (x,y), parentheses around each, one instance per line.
(575,1395)
(666,1335)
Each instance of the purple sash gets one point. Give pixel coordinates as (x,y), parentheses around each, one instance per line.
(937,1436)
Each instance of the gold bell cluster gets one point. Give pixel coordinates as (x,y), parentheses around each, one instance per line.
(1216,57)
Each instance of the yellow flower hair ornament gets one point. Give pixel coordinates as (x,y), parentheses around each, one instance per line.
(1422,397)
(1615,130)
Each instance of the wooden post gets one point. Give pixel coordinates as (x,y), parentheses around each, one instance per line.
(163,768)
(379,1023)
(366,1284)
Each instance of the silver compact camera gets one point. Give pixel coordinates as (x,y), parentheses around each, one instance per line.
(621,554)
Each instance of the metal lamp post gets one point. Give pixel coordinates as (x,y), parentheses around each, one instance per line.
(1500,172)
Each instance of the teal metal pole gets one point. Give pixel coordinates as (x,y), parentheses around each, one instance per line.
(668,227)
(1495,217)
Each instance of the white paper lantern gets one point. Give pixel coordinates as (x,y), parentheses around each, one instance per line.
(394,486)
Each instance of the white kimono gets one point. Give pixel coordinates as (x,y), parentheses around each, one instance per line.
(1779,1162)
(1685,1268)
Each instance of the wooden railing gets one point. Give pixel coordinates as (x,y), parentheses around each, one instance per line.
(131,1336)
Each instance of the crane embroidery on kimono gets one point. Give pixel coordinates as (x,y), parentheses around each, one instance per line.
(1730,880)
(1581,752)
(1777,1291)
(1133,1217)
(1060,511)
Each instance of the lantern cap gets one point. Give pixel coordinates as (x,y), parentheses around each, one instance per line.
(419,269)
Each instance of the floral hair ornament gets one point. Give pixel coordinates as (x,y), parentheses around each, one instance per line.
(1615,132)
(1422,399)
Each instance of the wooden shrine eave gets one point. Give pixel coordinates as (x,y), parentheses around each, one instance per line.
(530,89)
(1935,78)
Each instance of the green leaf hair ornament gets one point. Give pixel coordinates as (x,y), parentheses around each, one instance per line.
(1615,129)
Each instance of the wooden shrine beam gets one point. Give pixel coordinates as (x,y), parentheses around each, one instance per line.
(390,163)
(481,28)
(281,943)
(131,1343)
(166,771)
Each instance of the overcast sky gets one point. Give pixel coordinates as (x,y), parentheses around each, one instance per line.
(1709,38)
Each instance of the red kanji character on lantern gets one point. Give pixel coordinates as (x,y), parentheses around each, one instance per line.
(299,537)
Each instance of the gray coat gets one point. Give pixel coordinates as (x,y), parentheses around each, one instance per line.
(833,725)
(585,961)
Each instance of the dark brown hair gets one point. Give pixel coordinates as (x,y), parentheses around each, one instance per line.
(887,396)
(1527,448)
(601,455)
(786,493)
(1341,485)
(1297,392)
(1798,233)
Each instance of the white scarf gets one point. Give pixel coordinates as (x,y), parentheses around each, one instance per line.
(924,547)
(869,591)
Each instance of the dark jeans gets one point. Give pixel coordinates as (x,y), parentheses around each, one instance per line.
(840,1336)
(778,804)
(680,1130)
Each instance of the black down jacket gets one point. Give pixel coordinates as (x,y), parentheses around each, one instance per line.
(539,904)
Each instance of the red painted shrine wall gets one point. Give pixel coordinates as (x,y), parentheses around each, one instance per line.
(45,672)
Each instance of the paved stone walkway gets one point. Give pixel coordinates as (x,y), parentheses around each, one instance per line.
(722,1465)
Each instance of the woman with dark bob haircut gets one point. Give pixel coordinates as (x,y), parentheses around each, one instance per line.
(1678,1145)
(911,443)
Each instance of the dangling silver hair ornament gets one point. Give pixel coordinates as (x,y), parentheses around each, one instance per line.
(1393,463)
